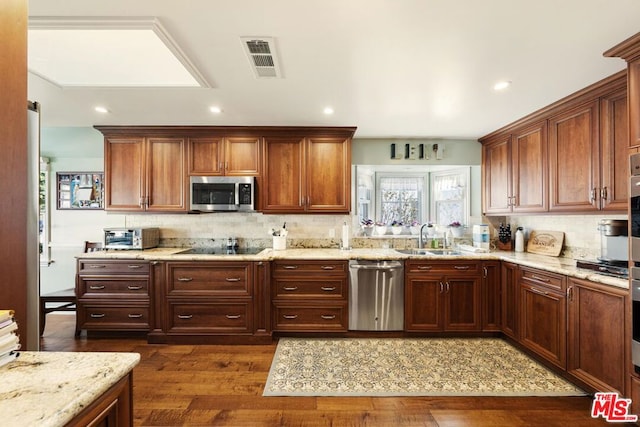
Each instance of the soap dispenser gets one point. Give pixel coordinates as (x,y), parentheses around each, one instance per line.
(519,240)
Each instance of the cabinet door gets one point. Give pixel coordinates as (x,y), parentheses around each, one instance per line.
(491,296)
(529,169)
(614,142)
(543,323)
(574,163)
(510,300)
(124,180)
(283,175)
(496,175)
(597,335)
(242,156)
(422,304)
(205,156)
(462,304)
(328,175)
(166,189)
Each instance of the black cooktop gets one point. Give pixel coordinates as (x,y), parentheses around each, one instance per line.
(220,251)
(609,268)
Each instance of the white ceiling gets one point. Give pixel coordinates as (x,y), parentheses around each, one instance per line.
(393,68)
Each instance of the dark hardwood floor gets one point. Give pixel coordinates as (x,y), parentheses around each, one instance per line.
(206,385)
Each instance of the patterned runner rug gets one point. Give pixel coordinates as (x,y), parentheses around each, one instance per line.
(409,367)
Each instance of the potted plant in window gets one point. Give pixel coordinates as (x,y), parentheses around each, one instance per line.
(457,230)
(396,227)
(415,227)
(367,226)
(381,228)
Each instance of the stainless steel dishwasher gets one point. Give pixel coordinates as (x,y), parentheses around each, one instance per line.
(376,295)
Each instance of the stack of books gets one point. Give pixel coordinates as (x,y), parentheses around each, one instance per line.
(9,340)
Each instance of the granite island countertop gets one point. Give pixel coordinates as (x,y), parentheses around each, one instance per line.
(51,388)
(566,266)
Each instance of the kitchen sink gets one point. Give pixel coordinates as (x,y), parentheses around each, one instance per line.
(428,252)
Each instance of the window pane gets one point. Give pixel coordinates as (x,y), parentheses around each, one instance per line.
(400,199)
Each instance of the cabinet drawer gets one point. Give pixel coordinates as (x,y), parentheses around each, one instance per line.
(212,317)
(224,280)
(111,266)
(116,318)
(534,277)
(290,268)
(116,286)
(331,288)
(424,266)
(310,318)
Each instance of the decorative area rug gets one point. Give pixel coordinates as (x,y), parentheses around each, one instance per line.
(409,367)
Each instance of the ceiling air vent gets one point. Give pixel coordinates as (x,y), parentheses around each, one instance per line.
(262,55)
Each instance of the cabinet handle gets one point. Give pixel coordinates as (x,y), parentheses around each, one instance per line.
(97,315)
(96,287)
(185,279)
(603,194)
(233,316)
(290,316)
(570,293)
(485,272)
(328,316)
(328,267)
(154,262)
(141,202)
(96,266)
(185,316)
(134,266)
(538,291)
(135,316)
(541,279)
(441,287)
(290,288)
(461,267)
(232,279)
(290,267)
(328,288)
(448,286)
(592,195)
(424,267)
(134,288)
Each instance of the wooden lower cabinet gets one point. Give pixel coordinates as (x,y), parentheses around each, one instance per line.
(442,296)
(309,296)
(113,409)
(209,298)
(543,314)
(491,296)
(510,300)
(597,338)
(113,295)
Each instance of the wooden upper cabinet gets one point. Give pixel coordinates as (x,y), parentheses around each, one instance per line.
(529,168)
(574,154)
(306,174)
(145,174)
(328,173)
(166,177)
(283,178)
(124,170)
(515,171)
(231,156)
(614,142)
(496,175)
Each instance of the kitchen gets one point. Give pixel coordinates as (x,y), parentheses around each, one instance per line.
(582,237)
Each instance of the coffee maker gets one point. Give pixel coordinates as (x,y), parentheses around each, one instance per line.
(614,249)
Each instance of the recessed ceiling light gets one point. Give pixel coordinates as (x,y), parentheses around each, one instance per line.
(101,109)
(328,111)
(502,85)
(215,109)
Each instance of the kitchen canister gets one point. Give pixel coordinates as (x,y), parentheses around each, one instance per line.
(519,240)
(279,243)
(481,236)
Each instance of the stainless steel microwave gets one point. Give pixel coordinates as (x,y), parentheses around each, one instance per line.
(131,238)
(222,193)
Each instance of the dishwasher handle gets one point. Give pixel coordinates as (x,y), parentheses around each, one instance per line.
(377,266)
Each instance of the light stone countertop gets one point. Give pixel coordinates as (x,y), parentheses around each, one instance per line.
(50,388)
(564,266)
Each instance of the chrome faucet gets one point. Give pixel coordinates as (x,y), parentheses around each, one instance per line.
(421,236)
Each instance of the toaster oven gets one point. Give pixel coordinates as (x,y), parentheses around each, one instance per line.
(131,238)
